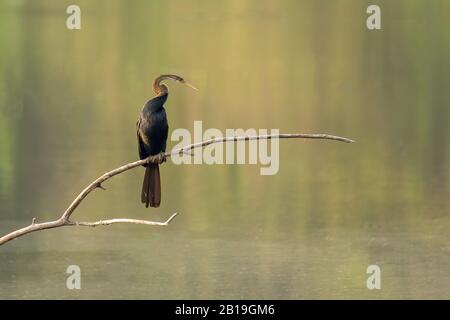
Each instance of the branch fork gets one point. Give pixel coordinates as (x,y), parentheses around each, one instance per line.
(64,220)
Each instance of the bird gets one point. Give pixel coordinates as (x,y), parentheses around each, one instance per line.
(152,130)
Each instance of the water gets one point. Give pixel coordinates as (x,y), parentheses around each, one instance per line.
(69,101)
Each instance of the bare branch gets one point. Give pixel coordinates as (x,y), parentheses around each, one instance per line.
(122,220)
(64,220)
(261,137)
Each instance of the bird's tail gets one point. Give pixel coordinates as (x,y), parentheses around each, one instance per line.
(151,188)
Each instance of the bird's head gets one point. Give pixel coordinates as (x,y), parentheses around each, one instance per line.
(159,88)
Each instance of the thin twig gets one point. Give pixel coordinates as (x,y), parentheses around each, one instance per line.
(122,220)
(64,220)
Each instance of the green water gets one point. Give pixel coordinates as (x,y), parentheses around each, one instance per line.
(69,101)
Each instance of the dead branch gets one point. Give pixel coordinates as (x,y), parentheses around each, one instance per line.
(64,220)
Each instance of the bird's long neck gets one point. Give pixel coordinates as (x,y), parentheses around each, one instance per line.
(158,88)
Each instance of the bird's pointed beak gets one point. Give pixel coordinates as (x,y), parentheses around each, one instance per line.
(190,85)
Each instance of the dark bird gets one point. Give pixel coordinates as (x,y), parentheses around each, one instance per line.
(152,130)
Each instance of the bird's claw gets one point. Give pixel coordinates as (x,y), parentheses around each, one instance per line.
(161,157)
(157,158)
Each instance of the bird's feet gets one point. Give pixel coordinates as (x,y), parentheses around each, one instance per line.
(157,158)
(161,157)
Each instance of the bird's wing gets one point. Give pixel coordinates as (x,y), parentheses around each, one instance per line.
(142,153)
(165,135)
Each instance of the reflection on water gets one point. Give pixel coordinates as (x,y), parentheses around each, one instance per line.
(68,105)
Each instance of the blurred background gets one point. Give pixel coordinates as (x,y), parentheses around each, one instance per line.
(69,101)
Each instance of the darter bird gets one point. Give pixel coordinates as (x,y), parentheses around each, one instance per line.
(152,130)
